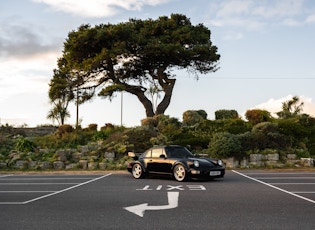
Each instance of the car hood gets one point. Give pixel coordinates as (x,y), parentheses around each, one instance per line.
(205,161)
(201,160)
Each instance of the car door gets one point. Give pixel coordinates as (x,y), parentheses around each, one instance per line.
(158,162)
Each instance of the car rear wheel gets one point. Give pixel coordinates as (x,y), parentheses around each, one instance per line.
(179,173)
(137,171)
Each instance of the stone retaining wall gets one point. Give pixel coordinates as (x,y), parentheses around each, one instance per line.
(269,160)
(85,157)
(90,158)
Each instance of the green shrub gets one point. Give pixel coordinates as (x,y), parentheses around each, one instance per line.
(25,145)
(223,145)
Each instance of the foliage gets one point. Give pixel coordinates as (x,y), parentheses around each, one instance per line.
(169,127)
(138,57)
(118,143)
(25,145)
(266,135)
(139,137)
(150,121)
(6,144)
(302,153)
(256,116)
(223,145)
(59,112)
(60,93)
(92,127)
(294,130)
(291,108)
(225,114)
(62,139)
(193,117)
(188,138)
(231,137)
(235,126)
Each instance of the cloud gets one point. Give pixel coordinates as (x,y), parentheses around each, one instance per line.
(311,19)
(290,22)
(22,41)
(98,8)
(275,105)
(278,8)
(21,76)
(233,36)
(255,15)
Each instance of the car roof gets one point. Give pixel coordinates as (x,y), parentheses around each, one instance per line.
(163,146)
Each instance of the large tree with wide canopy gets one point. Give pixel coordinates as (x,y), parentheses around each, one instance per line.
(138,57)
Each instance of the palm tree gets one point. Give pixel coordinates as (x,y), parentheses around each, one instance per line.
(58,113)
(291,108)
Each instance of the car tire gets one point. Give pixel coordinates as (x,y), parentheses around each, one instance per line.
(179,173)
(137,171)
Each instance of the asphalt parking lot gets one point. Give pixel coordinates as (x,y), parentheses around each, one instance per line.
(298,184)
(246,199)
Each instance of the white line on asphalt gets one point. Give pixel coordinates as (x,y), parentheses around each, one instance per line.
(11,202)
(282,190)
(281,173)
(291,178)
(50,178)
(303,192)
(35,183)
(293,183)
(67,189)
(2,176)
(56,192)
(26,191)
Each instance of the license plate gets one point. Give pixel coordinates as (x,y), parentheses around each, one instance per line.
(215,173)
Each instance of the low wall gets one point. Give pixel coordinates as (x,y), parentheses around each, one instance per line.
(85,157)
(269,160)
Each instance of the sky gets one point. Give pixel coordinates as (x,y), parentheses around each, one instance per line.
(267,53)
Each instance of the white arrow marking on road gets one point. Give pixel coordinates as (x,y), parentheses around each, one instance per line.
(141,208)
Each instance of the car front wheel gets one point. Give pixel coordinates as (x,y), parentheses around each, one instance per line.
(179,173)
(137,171)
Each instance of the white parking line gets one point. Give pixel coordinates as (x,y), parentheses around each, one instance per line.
(291,178)
(34,183)
(5,175)
(281,173)
(50,178)
(292,183)
(56,192)
(306,192)
(26,192)
(282,190)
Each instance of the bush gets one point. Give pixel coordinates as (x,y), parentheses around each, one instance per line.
(223,145)
(64,129)
(25,145)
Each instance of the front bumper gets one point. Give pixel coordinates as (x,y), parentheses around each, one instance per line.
(208,173)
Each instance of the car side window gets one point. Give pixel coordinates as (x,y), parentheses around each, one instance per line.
(156,153)
(147,154)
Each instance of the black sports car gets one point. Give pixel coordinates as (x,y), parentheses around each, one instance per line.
(176,161)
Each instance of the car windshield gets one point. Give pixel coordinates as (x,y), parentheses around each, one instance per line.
(177,152)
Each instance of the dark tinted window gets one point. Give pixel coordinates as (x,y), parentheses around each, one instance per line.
(177,152)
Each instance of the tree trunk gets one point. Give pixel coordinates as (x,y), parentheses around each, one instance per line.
(139,92)
(168,91)
(167,86)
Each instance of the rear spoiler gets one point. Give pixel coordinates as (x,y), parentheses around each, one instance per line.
(133,155)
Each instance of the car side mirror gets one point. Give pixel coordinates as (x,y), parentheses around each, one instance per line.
(163,156)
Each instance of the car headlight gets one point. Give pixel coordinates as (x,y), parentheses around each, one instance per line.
(196,164)
(220,162)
